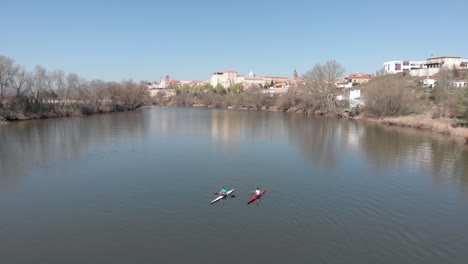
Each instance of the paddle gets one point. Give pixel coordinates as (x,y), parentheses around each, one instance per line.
(232,195)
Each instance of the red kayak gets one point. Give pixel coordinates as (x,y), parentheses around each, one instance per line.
(256,196)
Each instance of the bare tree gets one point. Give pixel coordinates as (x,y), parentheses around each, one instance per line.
(72,81)
(21,89)
(253,98)
(98,93)
(57,79)
(58,85)
(320,83)
(21,82)
(445,96)
(7,71)
(388,96)
(76,88)
(380,72)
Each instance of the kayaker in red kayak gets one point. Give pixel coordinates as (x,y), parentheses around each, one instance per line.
(257,195)
(257,191)
(223,192)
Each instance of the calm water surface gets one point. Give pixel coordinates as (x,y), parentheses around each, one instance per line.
(135,188)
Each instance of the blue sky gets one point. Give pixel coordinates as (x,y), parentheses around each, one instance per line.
(143,40)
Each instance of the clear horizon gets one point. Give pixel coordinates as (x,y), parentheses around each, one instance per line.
(145,40)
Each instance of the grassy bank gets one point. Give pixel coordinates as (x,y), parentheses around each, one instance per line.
(444,126)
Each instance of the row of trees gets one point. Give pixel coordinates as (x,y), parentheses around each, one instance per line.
(41,92)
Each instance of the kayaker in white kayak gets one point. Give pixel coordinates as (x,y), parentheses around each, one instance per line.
(257,191)
(223,192)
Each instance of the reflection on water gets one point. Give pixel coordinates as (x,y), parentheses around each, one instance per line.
(445,160)
(135,188)
(323,142)
(34,144)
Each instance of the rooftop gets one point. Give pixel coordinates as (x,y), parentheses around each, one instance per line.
(359,75)
(443,57)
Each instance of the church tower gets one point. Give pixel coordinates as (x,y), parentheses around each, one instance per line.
(295,75)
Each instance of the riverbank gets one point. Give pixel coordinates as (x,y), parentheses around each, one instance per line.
(424,122)
(46,115)
(32,116)
(443,126)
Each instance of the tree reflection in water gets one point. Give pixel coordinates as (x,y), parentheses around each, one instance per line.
(325,143)
(35,144)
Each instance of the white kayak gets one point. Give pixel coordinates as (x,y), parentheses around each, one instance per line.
(221,197)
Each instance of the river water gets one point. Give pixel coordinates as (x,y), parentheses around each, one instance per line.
(135,187)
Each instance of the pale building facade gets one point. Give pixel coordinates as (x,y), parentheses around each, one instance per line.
(225,78)
(434,64)
(355,99)
(353,96)
(253,81)
(429,67)
(230,77)
(397,66)
(460,84)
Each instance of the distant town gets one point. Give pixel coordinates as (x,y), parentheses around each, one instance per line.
(349,85)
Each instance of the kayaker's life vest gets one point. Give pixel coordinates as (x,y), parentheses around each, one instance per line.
(257,192)
(223,191)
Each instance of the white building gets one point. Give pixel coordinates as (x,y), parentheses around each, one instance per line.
(355,99)
(434,64)
(425,68)
(392,67)
(343,86)
(429,82)
(225,78)
(460,84)
(353,94)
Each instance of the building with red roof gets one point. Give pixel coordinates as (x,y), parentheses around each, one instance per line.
(358,78)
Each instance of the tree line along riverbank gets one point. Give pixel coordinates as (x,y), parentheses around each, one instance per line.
(42,93)
(389,99)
